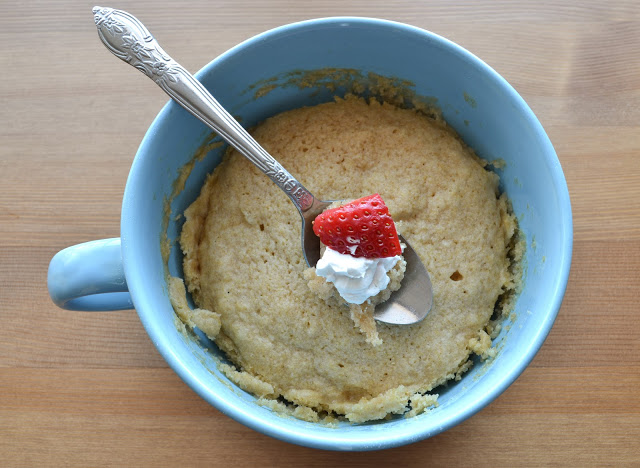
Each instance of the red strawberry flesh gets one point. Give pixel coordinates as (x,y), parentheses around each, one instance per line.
(361,228)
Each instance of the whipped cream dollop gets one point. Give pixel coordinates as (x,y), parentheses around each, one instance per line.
(356,278)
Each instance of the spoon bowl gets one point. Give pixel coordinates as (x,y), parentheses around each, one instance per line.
(128,39)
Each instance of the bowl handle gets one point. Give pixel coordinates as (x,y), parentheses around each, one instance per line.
(89,277)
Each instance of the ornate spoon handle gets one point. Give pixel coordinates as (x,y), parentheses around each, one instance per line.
(129,40)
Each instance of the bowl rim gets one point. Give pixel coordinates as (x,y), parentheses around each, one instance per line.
(338,440)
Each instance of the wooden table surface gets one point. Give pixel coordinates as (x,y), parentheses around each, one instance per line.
(89,389)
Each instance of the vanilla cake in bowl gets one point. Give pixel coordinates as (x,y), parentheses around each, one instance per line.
(351,106)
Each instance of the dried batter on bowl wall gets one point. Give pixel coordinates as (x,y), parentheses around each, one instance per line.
(262,305)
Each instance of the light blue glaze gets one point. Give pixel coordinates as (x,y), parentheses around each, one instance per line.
(90,277)
(485,110)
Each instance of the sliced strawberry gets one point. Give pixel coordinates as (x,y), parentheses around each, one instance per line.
(362,228)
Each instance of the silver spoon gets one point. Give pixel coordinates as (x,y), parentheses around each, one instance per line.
(128,39)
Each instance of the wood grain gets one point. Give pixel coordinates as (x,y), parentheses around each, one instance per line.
(86,389)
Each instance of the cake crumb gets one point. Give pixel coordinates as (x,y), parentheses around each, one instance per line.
(421,403)
(205,320)
(393,401)
(248,382)
(362,316)
(481,345)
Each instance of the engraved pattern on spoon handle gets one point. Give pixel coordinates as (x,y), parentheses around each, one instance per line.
(129,40)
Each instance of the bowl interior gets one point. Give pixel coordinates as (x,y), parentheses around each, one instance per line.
(488,114)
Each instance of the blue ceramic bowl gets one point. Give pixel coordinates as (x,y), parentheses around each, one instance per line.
(479,104)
